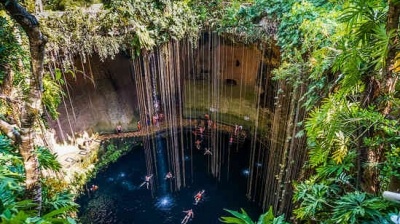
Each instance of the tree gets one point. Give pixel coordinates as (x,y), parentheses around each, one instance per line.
(24,134)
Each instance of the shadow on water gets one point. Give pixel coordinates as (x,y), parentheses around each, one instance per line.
(121,200)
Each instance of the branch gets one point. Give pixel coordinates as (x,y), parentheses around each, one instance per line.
(9,99)
(10,130)
(37,40)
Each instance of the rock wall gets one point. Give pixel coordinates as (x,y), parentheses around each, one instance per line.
(236,63)
(98,97)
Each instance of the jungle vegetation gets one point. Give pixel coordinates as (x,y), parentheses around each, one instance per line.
(345,52)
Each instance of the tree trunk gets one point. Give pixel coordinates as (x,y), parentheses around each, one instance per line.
(390,79)
(32,106)
(6,86)
(375,92)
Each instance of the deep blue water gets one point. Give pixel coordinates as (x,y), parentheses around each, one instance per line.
(120,200)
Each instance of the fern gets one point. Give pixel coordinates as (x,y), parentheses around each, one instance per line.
(52,94)
(341,147)
(47,160)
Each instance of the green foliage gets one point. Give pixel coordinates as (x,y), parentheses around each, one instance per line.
(269,218)
(10,50)
(66,4)
(243,218)
(13,207)
(390,168)
(241,22)
(52,94)
(366,34)
(307,33)
(208,12)
(11,168)
(355,206)
(111,152)
(339,128)
(124,25)
(334,131)
(240,218)
(326,203)
(47,159)
(60,200)
(314,200)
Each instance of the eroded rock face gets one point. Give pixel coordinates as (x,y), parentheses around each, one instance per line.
(99,100)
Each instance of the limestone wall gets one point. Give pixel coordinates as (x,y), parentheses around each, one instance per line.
(221,59)
(98,98)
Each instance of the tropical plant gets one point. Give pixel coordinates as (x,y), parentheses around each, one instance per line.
(349,133)
(13,207)
(47,159)
(243,218)
(355,206)
(53,93)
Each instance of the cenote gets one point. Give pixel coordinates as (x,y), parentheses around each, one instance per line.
(288,111)
(121,199)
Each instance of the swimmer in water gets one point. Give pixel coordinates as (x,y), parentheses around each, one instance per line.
(168,176)
(207,151)
(146,181)
(189,215)
(94,188)
(198,196)
(198,144)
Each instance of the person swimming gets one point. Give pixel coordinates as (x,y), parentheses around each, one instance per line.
(94,188)
(207,151)
(198,196)
(169,176)
(198,144)
(189,215)
(146,181)
(230,140)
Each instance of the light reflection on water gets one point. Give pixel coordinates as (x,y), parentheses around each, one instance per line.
(246,172)
(165,203)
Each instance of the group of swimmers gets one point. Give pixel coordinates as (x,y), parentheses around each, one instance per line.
(189,213)
(147,179)
(197,198)
(155,120)
(199,132)
(207,150)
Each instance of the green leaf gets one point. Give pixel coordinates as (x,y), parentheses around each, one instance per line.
(267,217)
(243,217)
